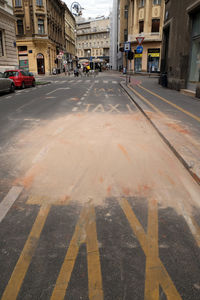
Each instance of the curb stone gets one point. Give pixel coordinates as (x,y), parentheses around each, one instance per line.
(166,141)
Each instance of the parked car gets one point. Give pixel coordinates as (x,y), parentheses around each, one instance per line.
(21,78)
(6,84)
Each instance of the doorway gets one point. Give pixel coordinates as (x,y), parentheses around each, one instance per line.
(40,64)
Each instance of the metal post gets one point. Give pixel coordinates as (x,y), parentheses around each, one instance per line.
(126,68)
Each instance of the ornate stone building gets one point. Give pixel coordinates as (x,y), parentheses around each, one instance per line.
(145,19)
(8,54)
(93,40)
(181,44)
(40,28)
(70,39)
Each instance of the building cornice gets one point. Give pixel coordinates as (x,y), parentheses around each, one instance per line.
(193,6)
(7,14)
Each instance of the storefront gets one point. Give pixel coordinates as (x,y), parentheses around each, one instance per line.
(194,75)
(23,58)
(153,60)
(138,62)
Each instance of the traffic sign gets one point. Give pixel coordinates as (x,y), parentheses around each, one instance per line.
(127,46)
(140,39)
(139,49)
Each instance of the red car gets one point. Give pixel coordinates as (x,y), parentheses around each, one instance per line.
(21,78)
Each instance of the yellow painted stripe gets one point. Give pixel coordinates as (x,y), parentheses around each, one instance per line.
(172,104)
(69,261)
(85,232)
(196,231)
(147,101)
(17,277)
(151,282)
(160,272)
(93,257)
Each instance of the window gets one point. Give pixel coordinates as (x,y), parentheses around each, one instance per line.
(20,27)
(141,26)
(126,11)
(8,74)
(1,44)
(39,2)
(40,26)
(125,35)
(18,3)
(156,2)
(155,25)
(141,3)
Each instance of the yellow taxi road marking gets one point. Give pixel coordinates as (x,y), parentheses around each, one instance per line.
(130,110)
(18,275)
(147,101)
(172,104)
(8,200)
(87,106)
(155,271)
(114,108)
(85,232)
(99,108)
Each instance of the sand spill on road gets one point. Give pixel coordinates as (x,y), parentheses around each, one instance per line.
(85,157)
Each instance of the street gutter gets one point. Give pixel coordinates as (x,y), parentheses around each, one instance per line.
(166,141)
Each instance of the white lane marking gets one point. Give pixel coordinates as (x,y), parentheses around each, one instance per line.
(59,130)
(115,82)
(8,97)
(71,81)
(8,200)
(41,154)
(96,81)
(50,97)
(82,98)
(79,103)
(105,81)
(30,119)
(75,109)
(79,80)
(67,88)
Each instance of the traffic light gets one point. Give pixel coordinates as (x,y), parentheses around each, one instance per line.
(130,55)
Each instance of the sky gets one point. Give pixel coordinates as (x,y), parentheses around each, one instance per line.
(93,8)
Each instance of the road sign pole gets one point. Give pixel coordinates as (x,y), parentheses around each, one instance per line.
(126,68)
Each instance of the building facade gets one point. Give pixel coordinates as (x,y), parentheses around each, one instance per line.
(145,19)
(181,44)
(93,40)
(40,28)
(8,53)
(70,40)
(123,32)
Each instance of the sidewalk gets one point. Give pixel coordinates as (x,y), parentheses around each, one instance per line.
(175,116)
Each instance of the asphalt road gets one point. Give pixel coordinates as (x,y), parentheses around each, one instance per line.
(93,204)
